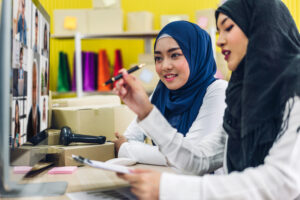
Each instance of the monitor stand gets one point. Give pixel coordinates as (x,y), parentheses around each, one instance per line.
(34,189)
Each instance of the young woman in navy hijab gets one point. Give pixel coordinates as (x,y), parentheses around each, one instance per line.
(188,95)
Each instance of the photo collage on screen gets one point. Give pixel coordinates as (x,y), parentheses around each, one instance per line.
(30,72)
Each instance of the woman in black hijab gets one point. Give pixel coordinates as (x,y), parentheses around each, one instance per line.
(261,128)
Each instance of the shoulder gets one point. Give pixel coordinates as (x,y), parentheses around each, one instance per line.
(218,87)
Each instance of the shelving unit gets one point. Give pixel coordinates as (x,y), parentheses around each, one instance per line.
(146,36)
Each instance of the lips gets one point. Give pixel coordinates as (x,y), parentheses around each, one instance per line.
(226,53)
(170,77)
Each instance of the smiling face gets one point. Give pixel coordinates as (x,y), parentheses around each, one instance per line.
(21,58)
(45,38)
(17,113)
(170,63)
(34,85)
(232,41)
(36,28)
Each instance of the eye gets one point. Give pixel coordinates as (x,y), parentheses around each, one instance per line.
(229,28)
(175,55)
(157,59)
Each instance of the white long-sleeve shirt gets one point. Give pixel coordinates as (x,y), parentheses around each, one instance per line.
(278,178)
(209,118)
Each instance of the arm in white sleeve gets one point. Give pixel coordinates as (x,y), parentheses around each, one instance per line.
(202,148)
(278,178)
(137,150)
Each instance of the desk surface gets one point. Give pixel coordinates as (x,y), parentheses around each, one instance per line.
(83,179)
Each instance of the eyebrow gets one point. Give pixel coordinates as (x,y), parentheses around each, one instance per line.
(170,50)
(223,21)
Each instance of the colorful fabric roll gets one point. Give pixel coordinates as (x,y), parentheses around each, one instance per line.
(89,72)
(103,71)
(64,77)
(118,62)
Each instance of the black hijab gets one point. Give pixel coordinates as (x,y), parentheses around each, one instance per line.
(267,77)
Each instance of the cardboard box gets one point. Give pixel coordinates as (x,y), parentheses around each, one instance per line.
(148,77)
(139,21)
(76,20)
(147,58)
(102,120)
(206,19)
(87,100)
(53,136)
(165,19)
(105,21)
(106,4)
(28,155)
(62,155)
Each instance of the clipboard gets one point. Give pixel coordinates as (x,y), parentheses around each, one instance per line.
(102,165)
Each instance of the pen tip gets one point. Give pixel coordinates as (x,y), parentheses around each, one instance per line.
(142,65)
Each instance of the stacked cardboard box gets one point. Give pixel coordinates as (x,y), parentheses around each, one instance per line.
(87,100)
(106,4)
(165,19)
(206,19)
(147,75)
(88,21)
(62,155)
(102,120)
(140,21)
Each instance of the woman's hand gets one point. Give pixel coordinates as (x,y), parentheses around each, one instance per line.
(133,95)
(118,142)
(144,183)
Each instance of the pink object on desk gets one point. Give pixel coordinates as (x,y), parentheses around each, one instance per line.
(21,169)
(63,170)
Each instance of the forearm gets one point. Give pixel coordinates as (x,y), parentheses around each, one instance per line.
(181,153)
(277,178)
(142,153)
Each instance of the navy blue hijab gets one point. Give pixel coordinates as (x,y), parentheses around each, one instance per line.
(186,101)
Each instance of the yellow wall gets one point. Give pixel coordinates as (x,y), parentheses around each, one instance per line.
(130,48)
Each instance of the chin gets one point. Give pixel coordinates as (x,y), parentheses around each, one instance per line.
(232,66)
(172,87)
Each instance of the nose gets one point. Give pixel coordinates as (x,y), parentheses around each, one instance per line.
(167,64)
(221,41)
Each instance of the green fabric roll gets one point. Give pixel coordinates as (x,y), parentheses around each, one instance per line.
(63,81)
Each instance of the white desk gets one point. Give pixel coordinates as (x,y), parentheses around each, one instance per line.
(84,179)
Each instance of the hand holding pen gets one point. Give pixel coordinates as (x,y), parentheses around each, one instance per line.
(132,93)
(119,76)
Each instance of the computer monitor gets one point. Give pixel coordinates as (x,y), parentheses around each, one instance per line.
(24,89)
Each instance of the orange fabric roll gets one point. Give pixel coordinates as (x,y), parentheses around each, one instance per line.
(103,71)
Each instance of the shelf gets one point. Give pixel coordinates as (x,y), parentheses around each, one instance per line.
(146,36)
(125,35)
(70,94)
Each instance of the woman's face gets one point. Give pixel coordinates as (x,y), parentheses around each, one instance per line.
(232,41)
(34,85)
(17,113)
(170,63)
(45,39)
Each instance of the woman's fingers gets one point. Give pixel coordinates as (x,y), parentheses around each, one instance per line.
(138,171)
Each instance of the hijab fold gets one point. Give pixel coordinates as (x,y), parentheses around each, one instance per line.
(186,101)
(264,81)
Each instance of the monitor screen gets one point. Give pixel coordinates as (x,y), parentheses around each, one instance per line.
(30,71)
(24,92)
